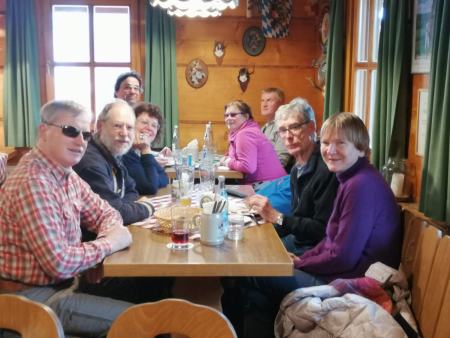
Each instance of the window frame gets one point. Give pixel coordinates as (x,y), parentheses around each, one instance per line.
(352,64)
(137,43)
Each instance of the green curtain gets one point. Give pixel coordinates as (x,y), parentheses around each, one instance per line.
(389,138)
(435,191)
(161,67)
(21,77)
(335,59)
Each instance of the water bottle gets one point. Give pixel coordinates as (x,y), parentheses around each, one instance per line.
(223,193)
(176,151)
(208,140)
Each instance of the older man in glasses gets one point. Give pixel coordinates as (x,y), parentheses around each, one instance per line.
(313,186)
(102,168)
(129,87)
(44,205)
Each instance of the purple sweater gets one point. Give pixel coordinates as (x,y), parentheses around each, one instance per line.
(364,227)
(253,154)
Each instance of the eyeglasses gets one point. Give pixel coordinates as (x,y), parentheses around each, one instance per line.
(231,114)
(147,124)
(135,88)
(293,129)
(71,131)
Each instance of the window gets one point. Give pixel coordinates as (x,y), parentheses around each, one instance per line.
(90,46)
(365,31)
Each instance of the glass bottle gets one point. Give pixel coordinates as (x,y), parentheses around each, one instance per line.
(176,151)
(223,193)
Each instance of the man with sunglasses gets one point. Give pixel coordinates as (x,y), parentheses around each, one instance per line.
(102,168)
(271,99)
(44,206)
(128,87)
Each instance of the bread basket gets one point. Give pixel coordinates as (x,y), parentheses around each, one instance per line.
(164,216)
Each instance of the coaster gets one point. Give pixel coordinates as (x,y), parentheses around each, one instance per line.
(170,246)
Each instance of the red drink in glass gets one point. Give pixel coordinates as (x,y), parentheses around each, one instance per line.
(180,236)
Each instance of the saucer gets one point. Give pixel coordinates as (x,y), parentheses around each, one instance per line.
(171,246)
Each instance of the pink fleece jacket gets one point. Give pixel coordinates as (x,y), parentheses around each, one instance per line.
(253,154)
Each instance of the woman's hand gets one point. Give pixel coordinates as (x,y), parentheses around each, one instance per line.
(166,152)
(295,259)
(225,160)
(142,143)
(162,161)
(262,206)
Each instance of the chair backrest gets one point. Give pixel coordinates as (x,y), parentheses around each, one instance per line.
(171,316)
(30,319)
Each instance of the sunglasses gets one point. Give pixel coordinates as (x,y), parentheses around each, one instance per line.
(71,131)
(231,114)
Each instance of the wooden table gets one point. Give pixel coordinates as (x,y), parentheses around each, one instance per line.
(170,171)
(260,253)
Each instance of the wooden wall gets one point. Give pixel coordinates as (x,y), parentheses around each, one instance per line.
(284,63)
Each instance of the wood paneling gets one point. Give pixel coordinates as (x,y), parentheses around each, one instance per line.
(415,162)
(285,63)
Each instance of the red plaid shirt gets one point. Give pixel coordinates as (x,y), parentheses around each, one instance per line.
(42,208)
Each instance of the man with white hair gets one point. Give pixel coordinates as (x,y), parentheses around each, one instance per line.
(313,186)
(102,168)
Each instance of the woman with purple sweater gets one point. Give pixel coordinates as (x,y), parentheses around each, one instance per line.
(364,226)
(250,151)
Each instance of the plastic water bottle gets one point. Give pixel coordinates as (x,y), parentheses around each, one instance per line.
(223,193)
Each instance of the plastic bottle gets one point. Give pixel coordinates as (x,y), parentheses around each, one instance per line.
(223,193)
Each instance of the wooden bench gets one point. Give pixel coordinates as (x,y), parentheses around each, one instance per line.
(426,263)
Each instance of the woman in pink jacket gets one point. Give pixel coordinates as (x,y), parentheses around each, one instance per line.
(250,151)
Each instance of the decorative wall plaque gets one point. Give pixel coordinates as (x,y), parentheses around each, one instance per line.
(253,41)
(196,73)
(219,51)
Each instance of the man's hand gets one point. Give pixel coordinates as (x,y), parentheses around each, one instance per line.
(262,206)
(118,236)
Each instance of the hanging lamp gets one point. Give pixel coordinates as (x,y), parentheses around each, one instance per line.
(195,8)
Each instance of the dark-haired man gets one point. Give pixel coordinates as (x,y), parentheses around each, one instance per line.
(129,87)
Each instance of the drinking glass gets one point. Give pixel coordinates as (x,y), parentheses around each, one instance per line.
(180,228)
(207,177)
(236,227)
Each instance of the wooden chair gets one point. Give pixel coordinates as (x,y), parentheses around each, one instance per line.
(30,319)
(171,316)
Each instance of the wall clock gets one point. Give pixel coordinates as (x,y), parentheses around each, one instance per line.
(196,73)
(253,41)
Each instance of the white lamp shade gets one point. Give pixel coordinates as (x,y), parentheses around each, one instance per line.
(195,8)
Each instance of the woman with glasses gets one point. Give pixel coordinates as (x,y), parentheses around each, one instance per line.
(143,167)
(249,151)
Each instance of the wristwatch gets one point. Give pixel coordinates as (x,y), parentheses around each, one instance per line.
(280,218)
